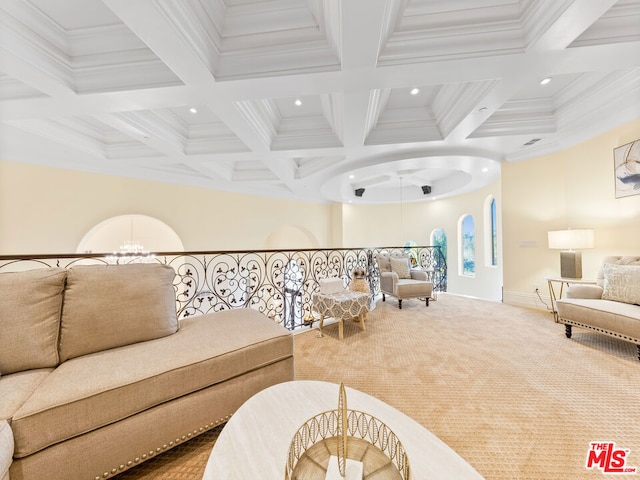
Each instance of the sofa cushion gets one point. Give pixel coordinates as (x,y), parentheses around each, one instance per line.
(413,288)
(621,283)
(91,391)
(107,306)
(401,266)
(17,387)
(30,305)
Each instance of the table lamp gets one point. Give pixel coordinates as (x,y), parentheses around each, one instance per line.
(569,241)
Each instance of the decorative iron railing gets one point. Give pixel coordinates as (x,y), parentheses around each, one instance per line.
(278,283)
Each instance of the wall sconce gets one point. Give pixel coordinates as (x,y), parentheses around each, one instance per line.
(568,241)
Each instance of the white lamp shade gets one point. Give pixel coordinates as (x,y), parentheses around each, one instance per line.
(571,239)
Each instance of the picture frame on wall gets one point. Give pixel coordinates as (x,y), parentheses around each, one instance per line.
(626,162)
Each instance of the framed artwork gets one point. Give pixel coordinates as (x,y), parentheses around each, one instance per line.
(626,162)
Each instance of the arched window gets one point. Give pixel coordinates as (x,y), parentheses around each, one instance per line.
(491,232)
(467,265)
(439,239)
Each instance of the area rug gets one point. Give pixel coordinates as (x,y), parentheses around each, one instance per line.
(501,385)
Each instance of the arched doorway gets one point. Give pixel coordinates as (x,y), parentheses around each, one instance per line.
(290,237)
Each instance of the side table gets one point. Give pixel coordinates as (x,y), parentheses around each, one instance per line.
(341,306)
(563,281)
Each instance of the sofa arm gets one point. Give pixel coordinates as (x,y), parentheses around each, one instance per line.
(585,291)
(417,274)
(387,280)
(6,449)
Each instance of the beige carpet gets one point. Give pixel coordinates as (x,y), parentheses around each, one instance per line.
(499,384)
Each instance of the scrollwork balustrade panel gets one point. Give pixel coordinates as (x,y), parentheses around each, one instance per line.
(278,283)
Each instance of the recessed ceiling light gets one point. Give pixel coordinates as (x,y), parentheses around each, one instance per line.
(414,91)
(298,102)
(545,81)
(352,176)
(485,170)
(193,110)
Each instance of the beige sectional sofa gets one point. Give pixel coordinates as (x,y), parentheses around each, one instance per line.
(6,449)
(97,374)
(612,306)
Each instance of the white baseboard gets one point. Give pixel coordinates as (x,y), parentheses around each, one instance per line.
(527,300)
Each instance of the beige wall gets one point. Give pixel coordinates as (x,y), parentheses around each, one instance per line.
(389,225)
(573,188)
(49,210)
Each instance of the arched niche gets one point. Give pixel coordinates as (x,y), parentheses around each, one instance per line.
(111,234)
(290,237)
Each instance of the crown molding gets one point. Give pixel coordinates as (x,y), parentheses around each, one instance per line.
(309,167)
(377,103)
(332,108)
(194,27)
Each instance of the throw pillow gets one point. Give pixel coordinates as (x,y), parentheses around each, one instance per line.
(30,305)
(621,283)
(384,263)
(107,306)
(400,265)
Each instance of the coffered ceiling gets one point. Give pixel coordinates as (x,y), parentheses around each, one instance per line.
(312,99)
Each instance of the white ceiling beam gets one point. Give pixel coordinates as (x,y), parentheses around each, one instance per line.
(31,74)
(284,169)
(573,21)
(153,28)
(96,103)
(496,96)
(361,26)
(231,116)
(147,131)
(581,59)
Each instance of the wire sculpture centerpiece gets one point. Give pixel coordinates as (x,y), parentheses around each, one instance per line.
(353,437)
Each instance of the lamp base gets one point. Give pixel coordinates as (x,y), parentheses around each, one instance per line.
(571,264)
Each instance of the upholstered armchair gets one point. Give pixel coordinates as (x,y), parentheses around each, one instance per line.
(399,280)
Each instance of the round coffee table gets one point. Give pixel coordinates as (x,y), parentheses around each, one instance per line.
(255,442)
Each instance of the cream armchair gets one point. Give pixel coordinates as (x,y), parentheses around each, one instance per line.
(399,280)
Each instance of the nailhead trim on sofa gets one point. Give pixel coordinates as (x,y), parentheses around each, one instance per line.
(132,463)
